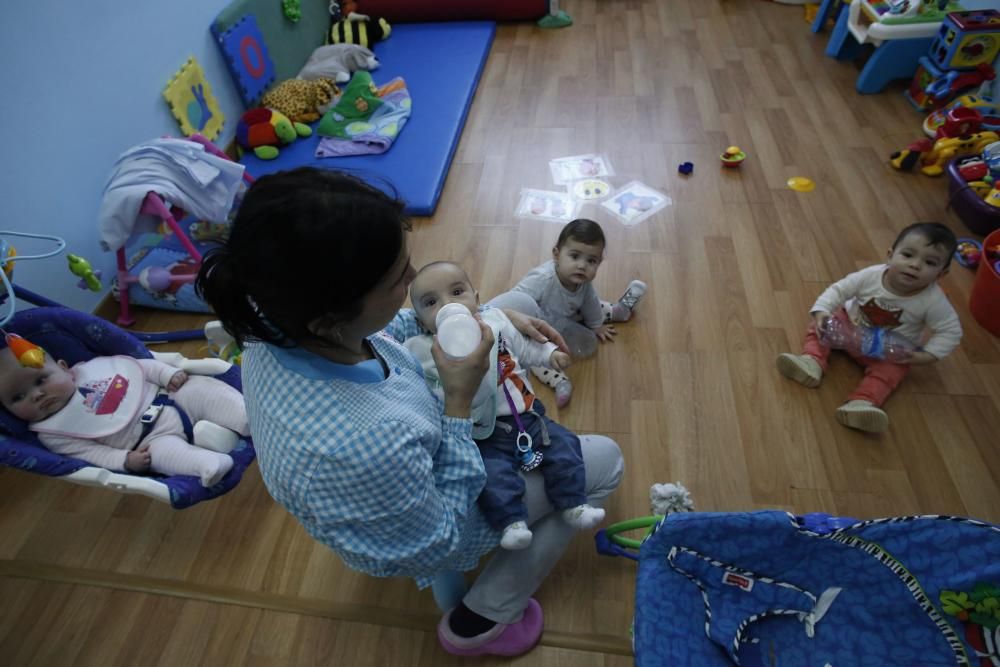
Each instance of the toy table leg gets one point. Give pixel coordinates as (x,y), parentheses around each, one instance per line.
(894,59)
(842,44)
(823,14)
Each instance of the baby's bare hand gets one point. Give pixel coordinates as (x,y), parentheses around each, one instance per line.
(138,461)
(820,318)
(606,333)
(920,358)
(560,361)
(177,381)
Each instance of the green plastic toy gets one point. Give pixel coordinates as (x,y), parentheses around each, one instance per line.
(292,9)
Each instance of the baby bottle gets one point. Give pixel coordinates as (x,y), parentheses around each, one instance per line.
(457,331)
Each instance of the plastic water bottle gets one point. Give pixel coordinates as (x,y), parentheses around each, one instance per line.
(457,331)
(874,342)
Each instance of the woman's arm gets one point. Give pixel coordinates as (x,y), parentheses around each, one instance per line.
(388,500)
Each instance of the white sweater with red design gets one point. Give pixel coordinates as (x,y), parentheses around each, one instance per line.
(868,302)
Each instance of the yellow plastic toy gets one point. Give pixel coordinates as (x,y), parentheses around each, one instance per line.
(981,188)
(801,184)
(933,157)
(993,198)
(7,255)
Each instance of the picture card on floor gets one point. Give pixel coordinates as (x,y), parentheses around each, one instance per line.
(591,165)
(546,205)
(634,202)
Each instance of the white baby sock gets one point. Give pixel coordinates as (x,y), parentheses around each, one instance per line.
(583,517)
(216,470)
(516,536)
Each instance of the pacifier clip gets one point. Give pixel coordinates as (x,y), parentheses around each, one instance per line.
(526,455)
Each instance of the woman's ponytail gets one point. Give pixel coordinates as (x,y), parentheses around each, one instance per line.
(220,286)
(305,243)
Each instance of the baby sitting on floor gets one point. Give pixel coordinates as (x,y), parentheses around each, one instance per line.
(112,412)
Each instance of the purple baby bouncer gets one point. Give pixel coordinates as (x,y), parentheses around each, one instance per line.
(74,336)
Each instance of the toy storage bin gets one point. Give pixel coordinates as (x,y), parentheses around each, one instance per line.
(977,215)
(984,304)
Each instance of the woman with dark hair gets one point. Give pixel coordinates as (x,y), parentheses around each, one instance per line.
(349,438)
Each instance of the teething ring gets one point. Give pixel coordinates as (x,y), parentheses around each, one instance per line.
(525,447)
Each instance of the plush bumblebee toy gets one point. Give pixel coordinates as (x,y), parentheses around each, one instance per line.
(359,29)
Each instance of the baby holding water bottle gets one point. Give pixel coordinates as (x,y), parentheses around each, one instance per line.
(902,299)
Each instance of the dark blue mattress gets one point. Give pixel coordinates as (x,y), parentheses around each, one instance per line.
(441,63)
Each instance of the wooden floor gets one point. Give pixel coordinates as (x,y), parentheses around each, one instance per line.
(689,389)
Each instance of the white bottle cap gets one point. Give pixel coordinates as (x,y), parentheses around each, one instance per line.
(457,331)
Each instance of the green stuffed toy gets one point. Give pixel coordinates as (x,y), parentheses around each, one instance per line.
(357,103)
(359,29)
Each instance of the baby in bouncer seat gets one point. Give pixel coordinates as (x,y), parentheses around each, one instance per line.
(113,412)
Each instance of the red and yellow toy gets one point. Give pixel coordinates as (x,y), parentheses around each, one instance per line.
(27,353)
(989,116)
(264,130)
(934,156)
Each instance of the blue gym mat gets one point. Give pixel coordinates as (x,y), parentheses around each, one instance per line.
(441,63)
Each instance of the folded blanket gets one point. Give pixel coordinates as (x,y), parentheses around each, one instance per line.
(362,122)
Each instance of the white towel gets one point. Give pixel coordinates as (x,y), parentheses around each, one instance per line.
(181,171)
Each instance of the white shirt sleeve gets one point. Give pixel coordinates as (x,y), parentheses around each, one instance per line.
(92,452)
(528,352)
(945,326)
(157,372)
(839,293)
